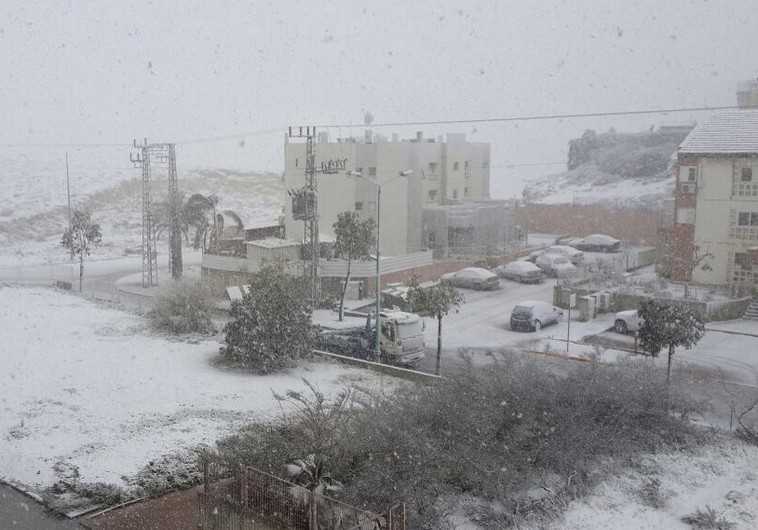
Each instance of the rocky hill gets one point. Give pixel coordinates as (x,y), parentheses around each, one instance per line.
(613,168)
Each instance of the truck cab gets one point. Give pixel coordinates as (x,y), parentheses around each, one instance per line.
(402,337)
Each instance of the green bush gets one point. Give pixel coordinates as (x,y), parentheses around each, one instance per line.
(491,433)
(183,307)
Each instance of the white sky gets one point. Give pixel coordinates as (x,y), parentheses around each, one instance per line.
(107,70)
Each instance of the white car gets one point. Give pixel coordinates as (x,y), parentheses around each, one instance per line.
(520,271)
(597,243)
(556,265)
(627,322)
(472,278)
(532,316)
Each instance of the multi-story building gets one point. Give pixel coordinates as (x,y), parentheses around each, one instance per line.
(452,171)
(715,232)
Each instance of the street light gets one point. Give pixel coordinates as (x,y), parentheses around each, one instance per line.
(358,174)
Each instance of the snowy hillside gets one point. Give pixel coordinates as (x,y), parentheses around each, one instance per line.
(630,169)
(33,212)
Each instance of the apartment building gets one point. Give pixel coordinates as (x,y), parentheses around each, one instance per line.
(445,171)
(715,232)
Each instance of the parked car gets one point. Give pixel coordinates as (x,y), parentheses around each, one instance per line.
(597,243)
(532,316)
(472,278)
(627,322)
(520,271)
(556,265)
(575,256)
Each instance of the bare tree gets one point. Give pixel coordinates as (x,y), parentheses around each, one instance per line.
(81,237)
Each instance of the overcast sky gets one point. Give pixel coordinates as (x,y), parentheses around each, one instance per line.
(107,71)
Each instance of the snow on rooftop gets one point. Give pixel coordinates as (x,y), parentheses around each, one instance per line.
(273,242)
(728,132)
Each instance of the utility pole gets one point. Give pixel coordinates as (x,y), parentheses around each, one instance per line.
(145,156)
(68,196)
(306,202)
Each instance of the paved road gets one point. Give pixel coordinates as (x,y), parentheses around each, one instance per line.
(18,512)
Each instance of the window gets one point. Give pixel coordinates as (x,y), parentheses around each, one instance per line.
(692,174)
(455,166)
(486,164)
(465,191)
(465,164)
(455,194)
(372,171)
(358,206)
(747,174)
(742,260)
(747,219)
(297,162)
(432,167)
(432,195)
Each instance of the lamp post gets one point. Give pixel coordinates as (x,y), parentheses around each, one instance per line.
(358,174)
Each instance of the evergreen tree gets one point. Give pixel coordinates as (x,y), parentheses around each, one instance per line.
(355,238)
(435,301)
(81,237)
(271,326)
(668,326)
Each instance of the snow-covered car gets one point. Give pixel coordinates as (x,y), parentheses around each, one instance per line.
(597,243)
(556,265)
(627,322)
(575,256)
(520,271)
(532,316)
(472,278)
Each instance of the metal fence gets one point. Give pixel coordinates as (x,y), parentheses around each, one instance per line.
(251,499)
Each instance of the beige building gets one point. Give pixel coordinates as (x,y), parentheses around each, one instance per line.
(445,171)
(715,233)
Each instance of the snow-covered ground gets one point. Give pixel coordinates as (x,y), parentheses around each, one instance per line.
(722,476)
(91,387)
(630,192)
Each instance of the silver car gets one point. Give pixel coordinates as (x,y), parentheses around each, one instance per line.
(533,315)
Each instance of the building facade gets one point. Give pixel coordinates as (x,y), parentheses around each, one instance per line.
(448,171)
(715,230)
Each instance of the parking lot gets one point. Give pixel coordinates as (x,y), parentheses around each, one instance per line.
(482,323)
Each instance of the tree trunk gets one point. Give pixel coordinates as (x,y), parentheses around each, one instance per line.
(344,290)
(668,368)
(81,271)
(439,343)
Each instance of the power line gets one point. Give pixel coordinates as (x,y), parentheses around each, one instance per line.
(536,117)
(505,119)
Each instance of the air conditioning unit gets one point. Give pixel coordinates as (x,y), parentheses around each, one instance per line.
(687,187)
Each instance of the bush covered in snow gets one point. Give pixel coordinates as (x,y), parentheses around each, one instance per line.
(271,326)
(183,307)
(514,434)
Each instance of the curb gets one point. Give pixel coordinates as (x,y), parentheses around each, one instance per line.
(729,332)
(23,489)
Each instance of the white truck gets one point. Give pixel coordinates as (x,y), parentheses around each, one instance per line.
(401,339)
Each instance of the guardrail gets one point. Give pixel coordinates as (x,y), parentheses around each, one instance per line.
(387,369)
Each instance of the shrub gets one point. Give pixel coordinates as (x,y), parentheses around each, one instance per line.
(271,327)
(495,433)
(708,519)
(651,495)
(183,307)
